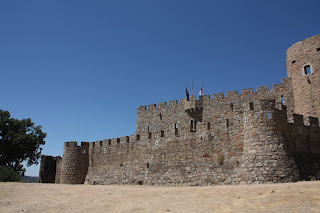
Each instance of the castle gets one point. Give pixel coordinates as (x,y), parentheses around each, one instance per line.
(266,136)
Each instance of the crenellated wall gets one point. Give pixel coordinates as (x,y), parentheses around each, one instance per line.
(161,116)
(74,163)
(256,145)
(248,137)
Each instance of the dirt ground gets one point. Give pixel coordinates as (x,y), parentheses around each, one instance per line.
(34,197)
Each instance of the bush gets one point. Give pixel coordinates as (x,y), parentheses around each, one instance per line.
(220,159)
(9,175)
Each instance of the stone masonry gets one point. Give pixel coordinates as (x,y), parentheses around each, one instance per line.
(266,136)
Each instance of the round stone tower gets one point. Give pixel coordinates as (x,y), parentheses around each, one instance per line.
(303,66)
(75,163)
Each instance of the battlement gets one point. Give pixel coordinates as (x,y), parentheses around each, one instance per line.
(75,144)
(261,92)
(252,136)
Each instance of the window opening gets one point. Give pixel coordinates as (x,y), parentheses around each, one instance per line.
(118,140)
(282,100)
(251,106)
(193,125)
(147,165)
(175,129)
(231,106)
(318,49)
(138,137)
(307,69)
(208,125)
(162,133)
(100,143)
(149,133)
(268,115)
(294,61)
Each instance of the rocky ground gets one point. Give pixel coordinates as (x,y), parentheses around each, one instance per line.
(34,197)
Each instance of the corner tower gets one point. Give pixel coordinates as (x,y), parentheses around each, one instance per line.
(303,67)
(75,163)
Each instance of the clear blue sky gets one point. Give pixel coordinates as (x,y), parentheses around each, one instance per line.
(81,68)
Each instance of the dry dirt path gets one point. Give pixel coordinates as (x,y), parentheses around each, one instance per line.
(31,197)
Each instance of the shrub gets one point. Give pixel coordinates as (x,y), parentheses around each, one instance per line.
(220,159)
(9,175)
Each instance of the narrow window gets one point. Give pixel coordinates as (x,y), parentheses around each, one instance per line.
(147,165)
(268,115)
(307,69)
(93,144)
(100,143)
(138,137)
(118,140)
(251,106)
(231,106)
(84,151)
(175,129)
(318,49)
(162,133)
(191,126)
(282,100)
(208,125)
(149,133)
(67,144)
(109,142)
(294,61)
(195,125)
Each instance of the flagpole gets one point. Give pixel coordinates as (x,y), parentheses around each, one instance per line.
(192,86)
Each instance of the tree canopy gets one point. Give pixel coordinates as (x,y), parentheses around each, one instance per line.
(20,140)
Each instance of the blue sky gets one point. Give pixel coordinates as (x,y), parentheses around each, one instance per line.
(81,68)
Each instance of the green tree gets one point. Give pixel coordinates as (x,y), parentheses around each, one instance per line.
(9,175)
(20,141)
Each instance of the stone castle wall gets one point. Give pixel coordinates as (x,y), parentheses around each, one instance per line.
(300,56)
(252,137)
(259,147)
(47,170)
(74,163)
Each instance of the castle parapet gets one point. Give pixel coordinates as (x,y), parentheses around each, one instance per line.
(193,104)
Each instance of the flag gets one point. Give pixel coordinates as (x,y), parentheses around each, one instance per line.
(187,94)
(201,93)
